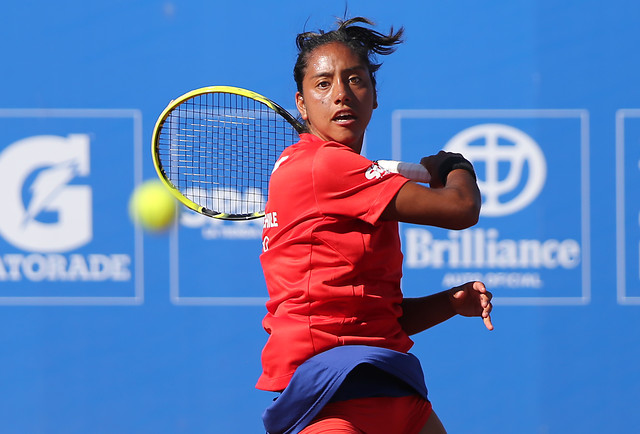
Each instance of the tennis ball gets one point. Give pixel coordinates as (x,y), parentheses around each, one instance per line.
(152,206)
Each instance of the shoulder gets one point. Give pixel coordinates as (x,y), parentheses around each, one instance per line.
(338,157)
(325,156)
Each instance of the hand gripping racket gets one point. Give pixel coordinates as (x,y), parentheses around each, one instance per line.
(215,148)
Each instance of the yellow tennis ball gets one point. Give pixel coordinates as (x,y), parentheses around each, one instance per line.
(153,206)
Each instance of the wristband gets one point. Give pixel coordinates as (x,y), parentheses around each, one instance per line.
(453,163)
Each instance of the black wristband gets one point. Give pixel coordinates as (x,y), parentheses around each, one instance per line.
(453,163)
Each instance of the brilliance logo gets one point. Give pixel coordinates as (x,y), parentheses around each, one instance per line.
(36,171)
(512,171)
(497,146)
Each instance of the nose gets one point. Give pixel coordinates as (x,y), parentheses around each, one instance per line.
(341,92)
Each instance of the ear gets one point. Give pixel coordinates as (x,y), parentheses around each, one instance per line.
(375,99)
(302,109)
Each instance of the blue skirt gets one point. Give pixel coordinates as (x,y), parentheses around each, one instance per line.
(321,379)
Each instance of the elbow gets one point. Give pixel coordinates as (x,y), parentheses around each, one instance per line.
(471,221)
(462,224)
(466,211)
(468,215)
(474,212)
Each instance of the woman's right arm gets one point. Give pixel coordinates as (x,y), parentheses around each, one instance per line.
(452,203)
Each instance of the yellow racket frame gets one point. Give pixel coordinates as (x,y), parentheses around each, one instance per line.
(201,91)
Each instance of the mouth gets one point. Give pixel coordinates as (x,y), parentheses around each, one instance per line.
(344,116)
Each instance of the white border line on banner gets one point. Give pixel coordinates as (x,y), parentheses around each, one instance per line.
(621,253)
(174,282)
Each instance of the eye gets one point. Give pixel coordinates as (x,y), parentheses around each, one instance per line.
(324,84)
(355,79)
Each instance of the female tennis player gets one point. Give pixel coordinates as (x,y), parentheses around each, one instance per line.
(338,323)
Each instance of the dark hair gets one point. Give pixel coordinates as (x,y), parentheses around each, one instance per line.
(364,42)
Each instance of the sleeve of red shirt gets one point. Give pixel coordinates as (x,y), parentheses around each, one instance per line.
(344,184)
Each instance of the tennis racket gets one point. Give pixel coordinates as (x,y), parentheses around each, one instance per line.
(215,148)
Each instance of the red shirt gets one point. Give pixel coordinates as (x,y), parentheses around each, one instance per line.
(332,267)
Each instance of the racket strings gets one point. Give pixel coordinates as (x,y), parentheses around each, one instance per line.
(218,149)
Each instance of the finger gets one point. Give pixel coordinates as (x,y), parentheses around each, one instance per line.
(479,286)
(485,301)
(459,294)
(488,308)
(487,322)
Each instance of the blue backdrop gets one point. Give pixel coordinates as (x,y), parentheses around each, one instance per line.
(107,329)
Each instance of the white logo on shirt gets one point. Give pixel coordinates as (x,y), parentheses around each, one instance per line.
(375,171)
(270,220)
(278,163)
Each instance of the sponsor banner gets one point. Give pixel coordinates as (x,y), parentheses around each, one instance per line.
(531,245)
(628,205)
(216,262)
(65,234)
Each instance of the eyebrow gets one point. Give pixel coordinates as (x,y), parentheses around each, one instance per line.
(352,69)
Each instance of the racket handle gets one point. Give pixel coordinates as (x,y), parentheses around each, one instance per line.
(413,171)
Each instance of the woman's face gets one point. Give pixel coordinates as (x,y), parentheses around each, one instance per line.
(337,97)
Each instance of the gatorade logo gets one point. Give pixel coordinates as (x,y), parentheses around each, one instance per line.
(43,209)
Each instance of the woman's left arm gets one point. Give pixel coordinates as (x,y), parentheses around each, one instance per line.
(470,299)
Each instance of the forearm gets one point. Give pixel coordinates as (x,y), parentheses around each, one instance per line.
(456,206)
(422,313)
